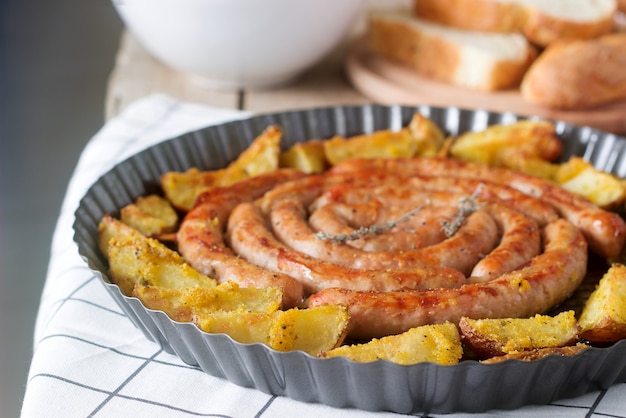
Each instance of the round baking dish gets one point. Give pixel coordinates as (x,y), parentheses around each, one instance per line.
(379,386)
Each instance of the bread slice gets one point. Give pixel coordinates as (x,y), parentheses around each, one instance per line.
(479,61)
(578,74)
(541,21)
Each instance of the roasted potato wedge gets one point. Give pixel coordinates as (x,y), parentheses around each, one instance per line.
(182,189)
(307,157)
(496,337)
(150,215)
(183,304)
(136,259)
(438,343)
(421,137)
(508,145)
(603,189)
(312,330)
(428,137)
(603,318)
(244,327)
(110,228)
(539,353)
(537,167)
(570,169)
(389,144)
(262,154)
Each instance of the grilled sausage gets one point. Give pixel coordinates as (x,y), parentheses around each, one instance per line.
(546,281)
(605,231)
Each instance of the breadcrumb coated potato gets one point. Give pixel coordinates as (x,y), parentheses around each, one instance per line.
(509,145)
(438,343)
(387,143)
(150,215)
(421,137)
(308,157)
(182,188)
(312,330)
(496,337)
(429,138)
(539,353)
(182,304)
(136,259)
(603,318)
(603,189)
(145,268)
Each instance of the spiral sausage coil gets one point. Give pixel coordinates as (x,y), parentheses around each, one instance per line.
(401,242)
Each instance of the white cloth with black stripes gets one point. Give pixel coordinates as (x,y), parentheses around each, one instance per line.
(90,360)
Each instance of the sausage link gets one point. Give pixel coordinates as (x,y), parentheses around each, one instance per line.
(605,231)
(421,229)
(521,241)
(476,237)
(548,279)
(249,236)
(201,242)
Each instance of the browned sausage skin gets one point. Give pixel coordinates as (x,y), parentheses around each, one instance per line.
(520,242)
(201,242)
(546,281)
(476,237)
(252,240)
(605,231)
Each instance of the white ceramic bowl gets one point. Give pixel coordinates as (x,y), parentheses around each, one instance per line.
(240,43)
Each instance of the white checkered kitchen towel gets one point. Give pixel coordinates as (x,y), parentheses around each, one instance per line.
(89,359)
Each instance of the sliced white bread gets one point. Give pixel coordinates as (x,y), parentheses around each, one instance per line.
(474,60)
(541,21)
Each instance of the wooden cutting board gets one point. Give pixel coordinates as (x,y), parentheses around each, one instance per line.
(387,82)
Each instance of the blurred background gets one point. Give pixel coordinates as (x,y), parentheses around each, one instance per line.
(55,58)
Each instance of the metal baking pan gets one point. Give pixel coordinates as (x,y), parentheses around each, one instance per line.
(379,386)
